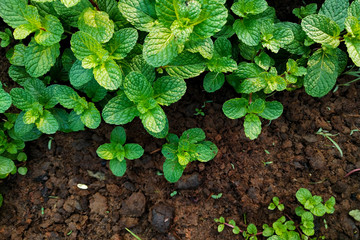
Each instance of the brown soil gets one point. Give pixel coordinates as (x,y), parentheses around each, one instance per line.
(47,204)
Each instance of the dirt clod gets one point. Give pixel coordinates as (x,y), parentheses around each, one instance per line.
(161,217)
(134,206)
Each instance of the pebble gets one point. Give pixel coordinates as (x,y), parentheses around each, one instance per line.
(189,182)
(161,217)
(134,205)
(98,204)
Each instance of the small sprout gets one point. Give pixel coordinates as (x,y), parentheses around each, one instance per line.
(49,143)
(199,112)
(133,234)
(276,204)
(54,197)
(173,193)
(69,233)
(42,211)
(82,186)
(266,151)
(354,130)
(232,165)
(216,196)
(159,173)
(328,135)
(22,170)
(267,163)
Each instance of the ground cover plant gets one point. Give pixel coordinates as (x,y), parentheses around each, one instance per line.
(77,62)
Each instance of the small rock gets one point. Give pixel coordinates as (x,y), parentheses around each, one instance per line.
(339,187)
(70,204)
(189,182)
(161,217)
(130,186)
(129,222)
(317,161)
(98,204)
(134,205)
(310,138)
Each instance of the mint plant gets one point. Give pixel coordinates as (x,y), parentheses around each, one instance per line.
(276,204)
(117,151)
(179,152)
(142,98)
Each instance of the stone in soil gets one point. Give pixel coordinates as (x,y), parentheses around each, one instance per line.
(189,182)
(98,204)
(134,205)
(161,217)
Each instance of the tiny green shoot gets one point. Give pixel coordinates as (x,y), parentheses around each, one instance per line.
(354,130)
(267,163)
(173,193)
(42,211)
(266,151)
(133,234)
(49,143)
(69,233)
(216,196)
(328,135)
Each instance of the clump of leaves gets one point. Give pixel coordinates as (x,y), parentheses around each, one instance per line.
(276,204)
(250,233)
(179,152)
(117,151)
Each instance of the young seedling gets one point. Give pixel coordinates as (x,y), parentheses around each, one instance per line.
(133,234)
(276,204)
(328,135)
(217,196)
(250,233)
(117,151)
(191,146)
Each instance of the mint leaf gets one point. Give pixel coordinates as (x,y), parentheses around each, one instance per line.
(70,13)
(154,119)
(22,99)
(322,74)
(12,12)
(79,75)
(335,10)
(137,87)
(67,97)
(251,85)
(193,135)
(353,49)
(257,106)
(118,135)
(111,7)
(118,168)
(16,55)
(321,29)
(50,31)
(166,11)
(305,10)
(172,170)
(203,46)
(302,195)
(213,81)
(133,151)
(186,65)
(5,101)
(91,116)
(140,13)
(122,43)
(222,64)
(160,47)
(168,90)
(120,110)
(235,108)
(354,9)
(138,64)
(39,59)
(108,75)
(243,8)
(47,123)
(272,110)
(97,24)
(252,126)
(247,31)
(84,45)
(6,166)
(106,151)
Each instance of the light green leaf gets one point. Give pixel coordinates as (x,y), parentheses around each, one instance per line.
(235,108)
(137,87)
(272,110)
(172,170)
(251,229)
(247,70)
(12,12)
(329,205)
(108,75)
(354,9)
(205,152)
(252,126)
(22,31)
(39,59)
(106,151)
(70,3)
(166,12)
(169,150)
(222,64)
(304,11)
(181,32)
(16,55)
(203,46)
(47,123)
(319,210)
(160,47)
(353,49)
(18,74)
(154,119)
(302,195)
(118,135)
(264,61)
(193,135)
(322,73)
(161,134)
(79,75)
(133,151)
(321,29)
(6,166)
(140,13)
(97,24)
(111,7)
(168,90)
(119,110)
(213,81)
(70,15)
(118,168)
(21,129)
(355,214)
(251,85)
(297,46)
(50,31)
(5,37)
(186,65)
(122,42)
(91,116)
(84,45)
(243,8)
(335,10)
(248,31)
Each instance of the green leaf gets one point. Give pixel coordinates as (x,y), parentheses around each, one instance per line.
(251,229)
(154,119)
(16,55)
(257,106)
(264,61)
(133,151)
(6,166)
(235,108)
(119,110)
(251,85)
(322,74)
(50,31)
(353,49)
(354,9)
(305,10)
(91,116)
(1,200)
(355,214)
(67,96)
(193,135)
(186,65)
(205,153)
(302,195)
(5,100)
(70,3)
(22,99)
(319,210)
(252,126)
(39,59)
(108,75)
(70,15)
(47,123)
(138,64)
(84,45)
(247,31)
(168,90)
(122,43)
(118,168)
(213,81)
(18,74)
(97,24)
(297,46)
(21,129)
(321,29)
(222,64)
(106,151)
(111,7)
(79,75)
(140,13)
(137,87)
(118,135)
(335,10)
(243,8)
(268,231)
(172,170)
(203,46)
(221,228)
(329,205)
(12,12)
(24,30)
(166,12)
(272,110)
(5,37)
(160,47)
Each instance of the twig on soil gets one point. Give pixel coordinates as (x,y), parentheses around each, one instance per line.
(351,172)
(155,151)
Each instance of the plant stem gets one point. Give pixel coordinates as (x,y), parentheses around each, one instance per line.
(229,225)
(94,4)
